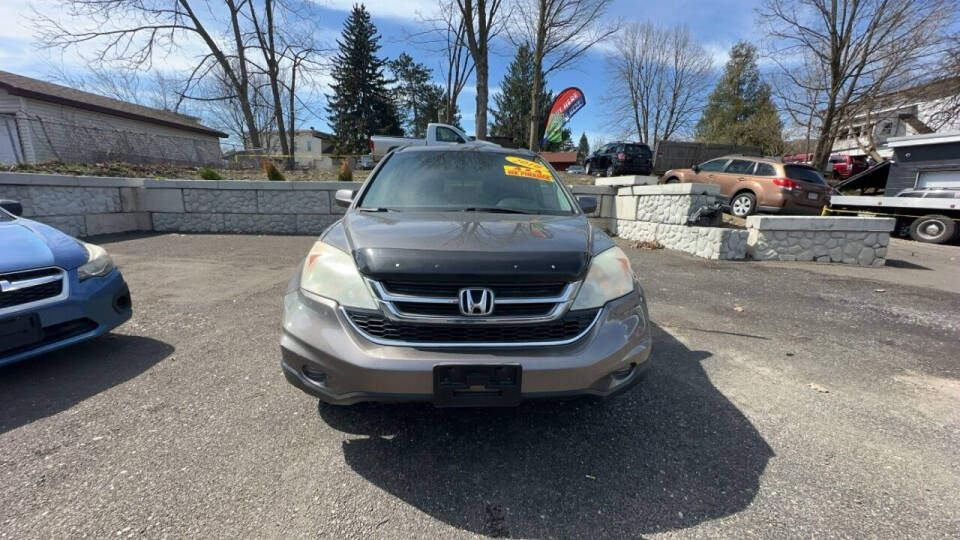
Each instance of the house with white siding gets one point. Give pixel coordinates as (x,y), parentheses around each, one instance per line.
(42,121)
(933,107)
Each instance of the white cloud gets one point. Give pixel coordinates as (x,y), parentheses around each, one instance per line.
(17,16)
(395,9)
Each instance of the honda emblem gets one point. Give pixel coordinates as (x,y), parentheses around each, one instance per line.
(476,302)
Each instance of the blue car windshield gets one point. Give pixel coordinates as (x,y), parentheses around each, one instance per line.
(459,180)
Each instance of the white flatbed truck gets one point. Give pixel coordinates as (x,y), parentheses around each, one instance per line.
(925,219)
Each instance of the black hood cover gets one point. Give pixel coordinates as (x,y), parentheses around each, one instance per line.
(458,246)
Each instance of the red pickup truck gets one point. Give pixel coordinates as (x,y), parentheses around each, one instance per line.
(844,166)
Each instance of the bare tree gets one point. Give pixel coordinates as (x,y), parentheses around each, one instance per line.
(851,49)
(800,102)
(446,35)
(482,21)
(560,32)
(223,110)
(659,78)
(130,33)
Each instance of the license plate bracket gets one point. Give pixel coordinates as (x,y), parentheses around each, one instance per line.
(19,331)
(477,385)
(812,196)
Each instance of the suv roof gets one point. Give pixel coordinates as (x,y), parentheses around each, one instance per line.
(772,161)
(465,147)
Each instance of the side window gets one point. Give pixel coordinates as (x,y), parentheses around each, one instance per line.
(448,135)
(765,169)
(606,149)
(714,166)
(740,166)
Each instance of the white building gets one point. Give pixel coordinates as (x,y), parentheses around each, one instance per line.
(308,145)
(925,109)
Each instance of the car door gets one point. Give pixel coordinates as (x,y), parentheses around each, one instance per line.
(735,172)
(708,172)
(603,159)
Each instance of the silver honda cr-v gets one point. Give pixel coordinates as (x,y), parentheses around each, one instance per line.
(463,276)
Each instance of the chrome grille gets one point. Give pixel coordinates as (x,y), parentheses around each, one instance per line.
(379,329)
(439,302)
(31,288)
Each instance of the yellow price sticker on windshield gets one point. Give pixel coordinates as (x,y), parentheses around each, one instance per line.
(525,168)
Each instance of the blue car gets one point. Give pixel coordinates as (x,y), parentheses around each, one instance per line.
(54,289)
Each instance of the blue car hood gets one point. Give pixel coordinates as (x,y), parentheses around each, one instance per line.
(26,244)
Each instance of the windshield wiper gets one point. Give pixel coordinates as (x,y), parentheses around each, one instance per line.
(497,210)
(376,209)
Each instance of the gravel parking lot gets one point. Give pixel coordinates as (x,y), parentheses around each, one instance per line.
(785,400)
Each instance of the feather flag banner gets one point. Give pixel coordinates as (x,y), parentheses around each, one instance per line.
(564,107)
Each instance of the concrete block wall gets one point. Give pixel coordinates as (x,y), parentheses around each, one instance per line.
(707,242)
(88,206)
(849,240)
(77,205)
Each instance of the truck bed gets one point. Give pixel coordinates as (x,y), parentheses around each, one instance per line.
(907,203)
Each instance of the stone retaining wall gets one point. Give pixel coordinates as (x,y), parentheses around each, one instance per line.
(848,240)
(88,206)
(706,242)
(662,213)
(669,203)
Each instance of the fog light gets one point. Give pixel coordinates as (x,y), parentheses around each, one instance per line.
(122,301)
(314,375)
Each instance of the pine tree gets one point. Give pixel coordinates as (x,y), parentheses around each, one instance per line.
(583,149)
(740,110)
(511,118)
(360,105)
(410,93)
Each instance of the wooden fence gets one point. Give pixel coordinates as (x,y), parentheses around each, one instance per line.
(681,155)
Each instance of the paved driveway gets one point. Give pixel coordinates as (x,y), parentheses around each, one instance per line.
(786,400)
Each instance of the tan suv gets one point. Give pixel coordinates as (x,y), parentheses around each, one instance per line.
(755,184)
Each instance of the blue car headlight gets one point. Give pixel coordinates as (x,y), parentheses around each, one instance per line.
(98,263)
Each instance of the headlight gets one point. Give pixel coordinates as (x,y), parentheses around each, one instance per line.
(609,277)
(332,273)
(98,263)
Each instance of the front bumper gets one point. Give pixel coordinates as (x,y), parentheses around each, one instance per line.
(317,338)
(91,309)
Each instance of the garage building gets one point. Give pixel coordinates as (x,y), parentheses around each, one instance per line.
(42,121)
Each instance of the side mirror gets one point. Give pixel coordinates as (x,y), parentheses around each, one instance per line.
(14,207)
(343,197)
(587,204)
(696,168)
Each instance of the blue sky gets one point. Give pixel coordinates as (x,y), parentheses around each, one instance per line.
(717,23)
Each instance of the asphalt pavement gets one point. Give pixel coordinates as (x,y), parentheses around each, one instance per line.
(785,400)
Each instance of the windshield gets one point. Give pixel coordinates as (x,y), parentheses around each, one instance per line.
(465,181)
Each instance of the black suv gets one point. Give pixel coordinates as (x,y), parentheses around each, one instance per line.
(620,158)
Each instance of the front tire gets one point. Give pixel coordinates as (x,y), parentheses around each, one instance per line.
(611,171)
(933,229)
(743,204)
